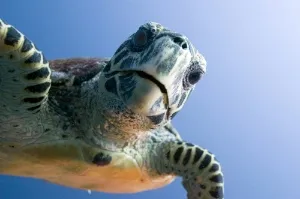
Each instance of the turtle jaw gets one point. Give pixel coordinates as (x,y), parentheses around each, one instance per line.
(143,94)
(161,86)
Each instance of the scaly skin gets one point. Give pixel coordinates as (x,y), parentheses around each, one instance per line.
(201,173)
(110,131)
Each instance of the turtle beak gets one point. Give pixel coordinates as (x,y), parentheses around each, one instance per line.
(159,85)
(164,92)
(143,93)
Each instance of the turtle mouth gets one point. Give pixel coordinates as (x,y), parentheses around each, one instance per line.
(161,86)
(152,79)
(149,77)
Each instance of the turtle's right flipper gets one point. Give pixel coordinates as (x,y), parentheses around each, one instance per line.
(200,170)
(24,74)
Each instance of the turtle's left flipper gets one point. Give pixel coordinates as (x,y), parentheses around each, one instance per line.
(201,172)
(24,74)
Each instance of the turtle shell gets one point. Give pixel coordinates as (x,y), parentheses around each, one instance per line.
(74,71)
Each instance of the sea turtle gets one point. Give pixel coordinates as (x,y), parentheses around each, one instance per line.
(103,124)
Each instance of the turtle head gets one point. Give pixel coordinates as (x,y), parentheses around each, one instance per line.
(153,72)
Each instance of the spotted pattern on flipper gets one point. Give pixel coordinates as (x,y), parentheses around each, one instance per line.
(25,73)
(217,178)
(12,36)
(33,99)
(34,108)
(38,88)
(202,175)
(40,73)
(27,45)
(214,168)
(35,58)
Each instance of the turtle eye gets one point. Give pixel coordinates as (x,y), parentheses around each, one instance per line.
(193,77)
(140,38)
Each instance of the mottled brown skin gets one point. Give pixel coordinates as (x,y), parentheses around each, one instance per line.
(82,69)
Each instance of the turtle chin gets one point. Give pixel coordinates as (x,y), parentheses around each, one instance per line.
(144,95)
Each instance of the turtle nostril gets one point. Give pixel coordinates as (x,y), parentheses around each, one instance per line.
(181,42)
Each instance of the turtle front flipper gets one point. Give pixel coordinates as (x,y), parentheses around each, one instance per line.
(201,172)
(24,74)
